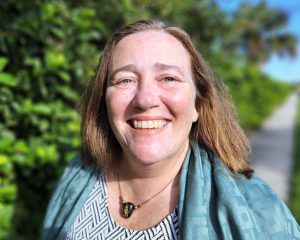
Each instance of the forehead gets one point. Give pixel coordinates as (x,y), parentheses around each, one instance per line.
(150,47)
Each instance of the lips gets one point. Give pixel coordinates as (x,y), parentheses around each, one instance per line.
(149,124)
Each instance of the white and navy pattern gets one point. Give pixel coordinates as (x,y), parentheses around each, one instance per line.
(94,222)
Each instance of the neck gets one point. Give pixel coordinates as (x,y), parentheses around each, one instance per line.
(139,181)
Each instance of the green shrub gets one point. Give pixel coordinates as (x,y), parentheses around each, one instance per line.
(294,202)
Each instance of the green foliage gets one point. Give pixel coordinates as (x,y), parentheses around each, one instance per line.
(39,127)
(294,202)
(255,94)
(6,211)
(48,51)
(6,79)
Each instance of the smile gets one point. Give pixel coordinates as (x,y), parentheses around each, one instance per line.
(152,124)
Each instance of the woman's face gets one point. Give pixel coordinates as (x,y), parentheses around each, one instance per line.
(151,97)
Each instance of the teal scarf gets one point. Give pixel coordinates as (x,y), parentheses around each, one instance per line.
(213,203)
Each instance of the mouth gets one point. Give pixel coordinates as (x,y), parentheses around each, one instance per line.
(149,124)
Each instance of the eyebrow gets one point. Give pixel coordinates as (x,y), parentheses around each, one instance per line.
(157,67)
(162,67)
(129,67)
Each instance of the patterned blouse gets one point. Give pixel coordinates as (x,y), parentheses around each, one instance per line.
(94,221)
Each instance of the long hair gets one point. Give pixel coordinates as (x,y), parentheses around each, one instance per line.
(216,129)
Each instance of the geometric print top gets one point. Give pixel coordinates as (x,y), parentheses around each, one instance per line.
(94,221)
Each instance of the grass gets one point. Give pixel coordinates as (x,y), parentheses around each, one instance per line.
(294,203)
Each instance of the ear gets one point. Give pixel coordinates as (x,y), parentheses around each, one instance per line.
(195,115)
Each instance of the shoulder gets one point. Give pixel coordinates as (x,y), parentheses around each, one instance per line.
(77,167)
(268,211)
(238,206)
(71,192)
(76,176)
(254,201)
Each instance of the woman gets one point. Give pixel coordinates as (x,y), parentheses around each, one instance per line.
(163,156)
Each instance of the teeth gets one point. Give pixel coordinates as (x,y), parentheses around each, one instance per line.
(149,124)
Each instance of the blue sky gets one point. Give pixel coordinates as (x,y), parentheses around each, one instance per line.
(285,68)
(281,68)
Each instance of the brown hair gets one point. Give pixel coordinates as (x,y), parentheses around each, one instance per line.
(216,129)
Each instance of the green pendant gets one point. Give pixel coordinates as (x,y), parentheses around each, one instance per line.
(128,209)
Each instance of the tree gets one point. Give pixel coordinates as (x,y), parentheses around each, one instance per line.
(258,31)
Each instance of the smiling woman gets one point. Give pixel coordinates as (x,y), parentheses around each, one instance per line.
(163,156)
(161,90)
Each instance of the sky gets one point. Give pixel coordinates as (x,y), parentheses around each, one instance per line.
(285,68)
(282,68)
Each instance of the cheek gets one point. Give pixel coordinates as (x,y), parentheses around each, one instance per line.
(182,105)
(113,106)
(117,103)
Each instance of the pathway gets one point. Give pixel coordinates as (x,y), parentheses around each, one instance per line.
(272,148)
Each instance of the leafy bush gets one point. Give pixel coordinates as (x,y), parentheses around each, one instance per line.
(295,186)
(39,126)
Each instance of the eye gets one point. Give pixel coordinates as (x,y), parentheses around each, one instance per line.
(169,79)
(124,82)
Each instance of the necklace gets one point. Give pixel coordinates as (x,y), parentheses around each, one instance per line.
(129,207)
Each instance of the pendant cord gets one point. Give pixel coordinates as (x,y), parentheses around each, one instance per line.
(139,205)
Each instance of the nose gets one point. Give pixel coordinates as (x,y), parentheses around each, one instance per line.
(146,96)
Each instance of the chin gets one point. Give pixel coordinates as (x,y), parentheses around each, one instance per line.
(151,152)
(148,157)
